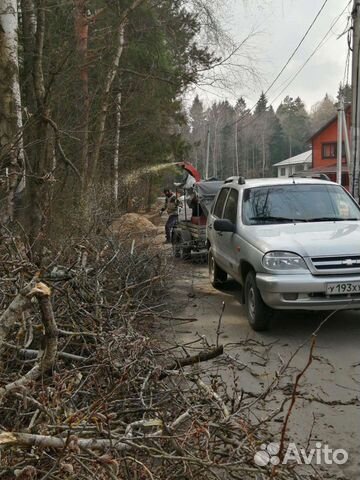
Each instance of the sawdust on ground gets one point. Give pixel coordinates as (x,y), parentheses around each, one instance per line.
(133,224)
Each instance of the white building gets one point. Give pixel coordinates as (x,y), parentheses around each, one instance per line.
(296,164)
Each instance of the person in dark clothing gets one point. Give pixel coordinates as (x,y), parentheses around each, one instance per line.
(171,207)
(195,206)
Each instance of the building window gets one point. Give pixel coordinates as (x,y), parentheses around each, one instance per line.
(329,150)
(299,167)
(282,172)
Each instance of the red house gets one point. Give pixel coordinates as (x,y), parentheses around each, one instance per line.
(324,150)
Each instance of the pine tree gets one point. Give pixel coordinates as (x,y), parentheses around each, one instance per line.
(295,123)
(198,135)
(261,105)
(277,142)
(346,92)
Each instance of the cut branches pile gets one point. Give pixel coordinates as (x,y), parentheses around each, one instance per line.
(87,388)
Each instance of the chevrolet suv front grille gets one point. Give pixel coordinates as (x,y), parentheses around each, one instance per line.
(349,263)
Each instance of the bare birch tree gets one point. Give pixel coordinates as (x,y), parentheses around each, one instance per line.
(117,146)
(11,144)
(113,68)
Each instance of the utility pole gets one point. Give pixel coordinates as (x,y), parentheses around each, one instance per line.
(355,106)
(207,155)
(236,150)
(346,134)
(339,140)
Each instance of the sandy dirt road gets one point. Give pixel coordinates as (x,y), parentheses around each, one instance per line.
(327,404)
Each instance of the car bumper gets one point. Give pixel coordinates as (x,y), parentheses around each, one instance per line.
(305,292)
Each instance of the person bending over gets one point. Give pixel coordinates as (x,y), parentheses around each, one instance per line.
(171,204)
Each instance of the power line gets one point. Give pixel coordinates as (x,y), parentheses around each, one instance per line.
(318,46)
(291,56)
(297,48)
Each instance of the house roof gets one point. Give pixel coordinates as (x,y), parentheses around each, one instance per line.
(305,157)
(333,119)
(328,169)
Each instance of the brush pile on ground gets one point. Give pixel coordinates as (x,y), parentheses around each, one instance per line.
(87,389)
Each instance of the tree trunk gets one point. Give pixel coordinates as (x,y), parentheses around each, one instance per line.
(253,161)
(215,163)
(82,39)
(100,131)
(263,154)
(28,31)
(12,164)
(290,147)
(117,147)
(236,151)
(105,102)
(43,155)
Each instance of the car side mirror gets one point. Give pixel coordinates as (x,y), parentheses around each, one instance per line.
(224,226)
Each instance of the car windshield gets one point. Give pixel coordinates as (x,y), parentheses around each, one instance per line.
(298,203)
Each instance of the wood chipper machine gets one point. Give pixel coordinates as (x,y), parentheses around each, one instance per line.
(189,234)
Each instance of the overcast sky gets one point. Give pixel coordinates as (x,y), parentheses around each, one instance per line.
(278,26)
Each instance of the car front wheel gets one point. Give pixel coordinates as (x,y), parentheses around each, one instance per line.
(217,275)
(258,313)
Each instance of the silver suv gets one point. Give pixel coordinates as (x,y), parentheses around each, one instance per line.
(291,243)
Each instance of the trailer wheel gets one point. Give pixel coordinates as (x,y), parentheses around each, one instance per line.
(175,241)
(217,275)
(185,252)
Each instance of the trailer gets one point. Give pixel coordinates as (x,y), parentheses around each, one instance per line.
(189,234)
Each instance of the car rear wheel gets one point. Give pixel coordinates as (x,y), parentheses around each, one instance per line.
(217,275)
(258,313)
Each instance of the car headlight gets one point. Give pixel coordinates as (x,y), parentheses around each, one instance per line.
(284,261)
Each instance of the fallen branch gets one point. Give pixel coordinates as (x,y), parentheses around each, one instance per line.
(101,444)
(209,392)
(57,443)
(184,362)
(145,282)
(29,353)
(21,302)
(47,360)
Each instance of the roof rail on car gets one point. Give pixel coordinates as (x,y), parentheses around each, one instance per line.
(319,176)
(240,180)
(230,179)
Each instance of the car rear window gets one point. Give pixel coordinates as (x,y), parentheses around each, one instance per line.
(298,203)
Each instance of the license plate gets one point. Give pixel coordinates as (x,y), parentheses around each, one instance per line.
(342,288)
